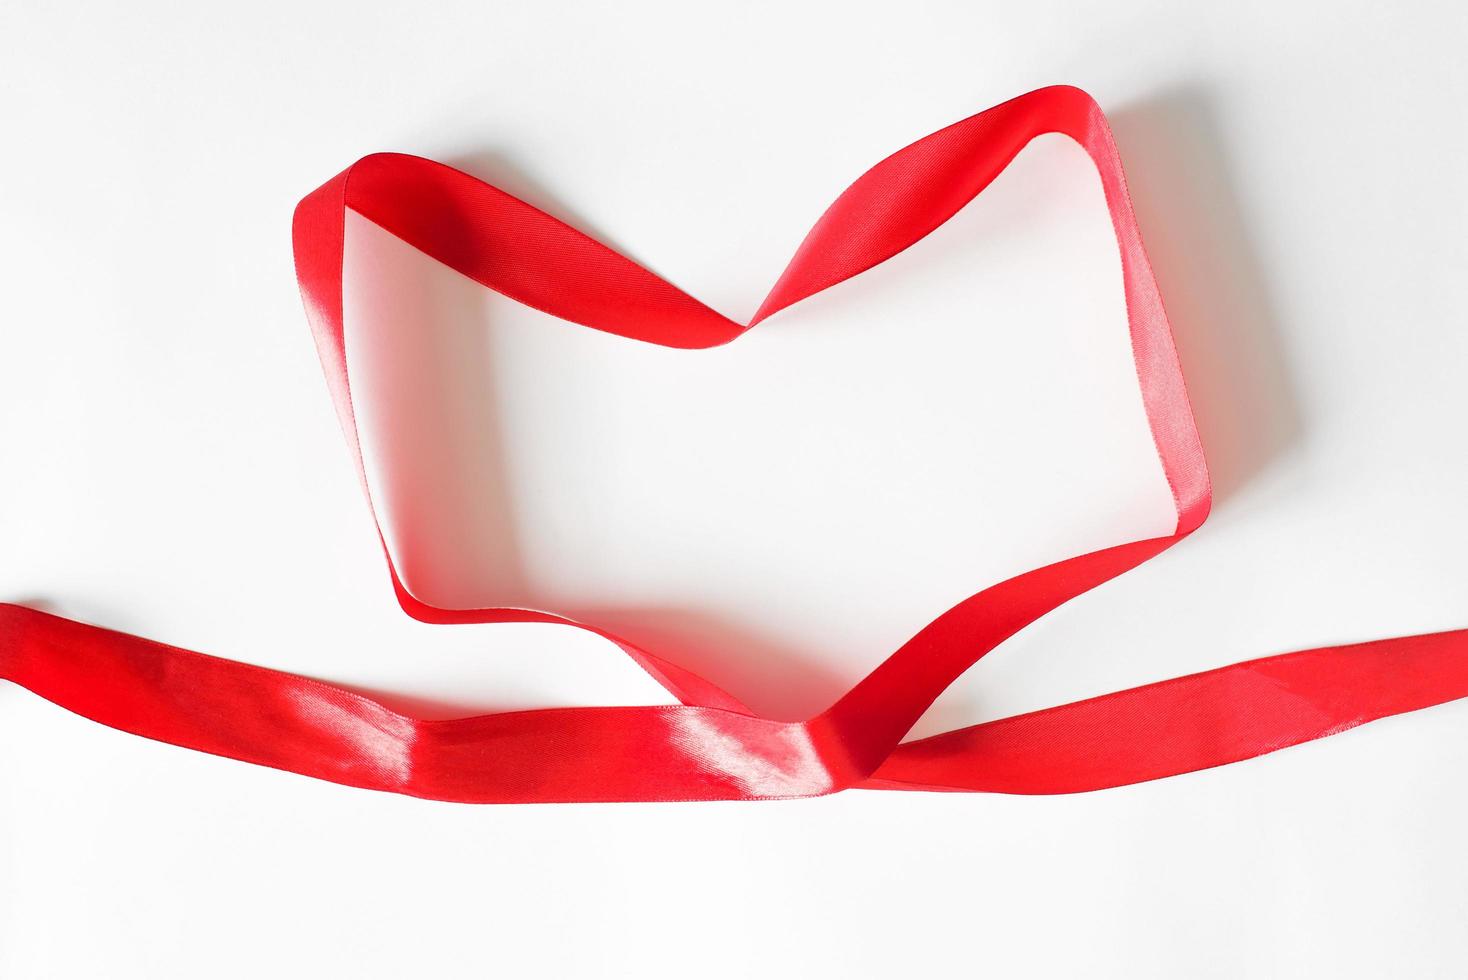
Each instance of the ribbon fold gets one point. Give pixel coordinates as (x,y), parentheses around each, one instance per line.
(710,746)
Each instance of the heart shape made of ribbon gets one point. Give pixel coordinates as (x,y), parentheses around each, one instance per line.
(710,746)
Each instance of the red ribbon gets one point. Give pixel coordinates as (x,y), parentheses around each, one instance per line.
(710,746)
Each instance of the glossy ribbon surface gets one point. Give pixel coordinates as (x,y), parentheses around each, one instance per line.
(710,746)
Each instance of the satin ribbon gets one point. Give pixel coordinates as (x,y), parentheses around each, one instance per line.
(710,746)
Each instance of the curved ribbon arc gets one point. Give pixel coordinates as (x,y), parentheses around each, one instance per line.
(711,746)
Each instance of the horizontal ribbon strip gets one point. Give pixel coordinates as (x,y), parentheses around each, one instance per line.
(710,746)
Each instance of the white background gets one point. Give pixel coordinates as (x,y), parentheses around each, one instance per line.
(779,514)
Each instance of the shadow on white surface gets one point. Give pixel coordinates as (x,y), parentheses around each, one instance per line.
(1216,290)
